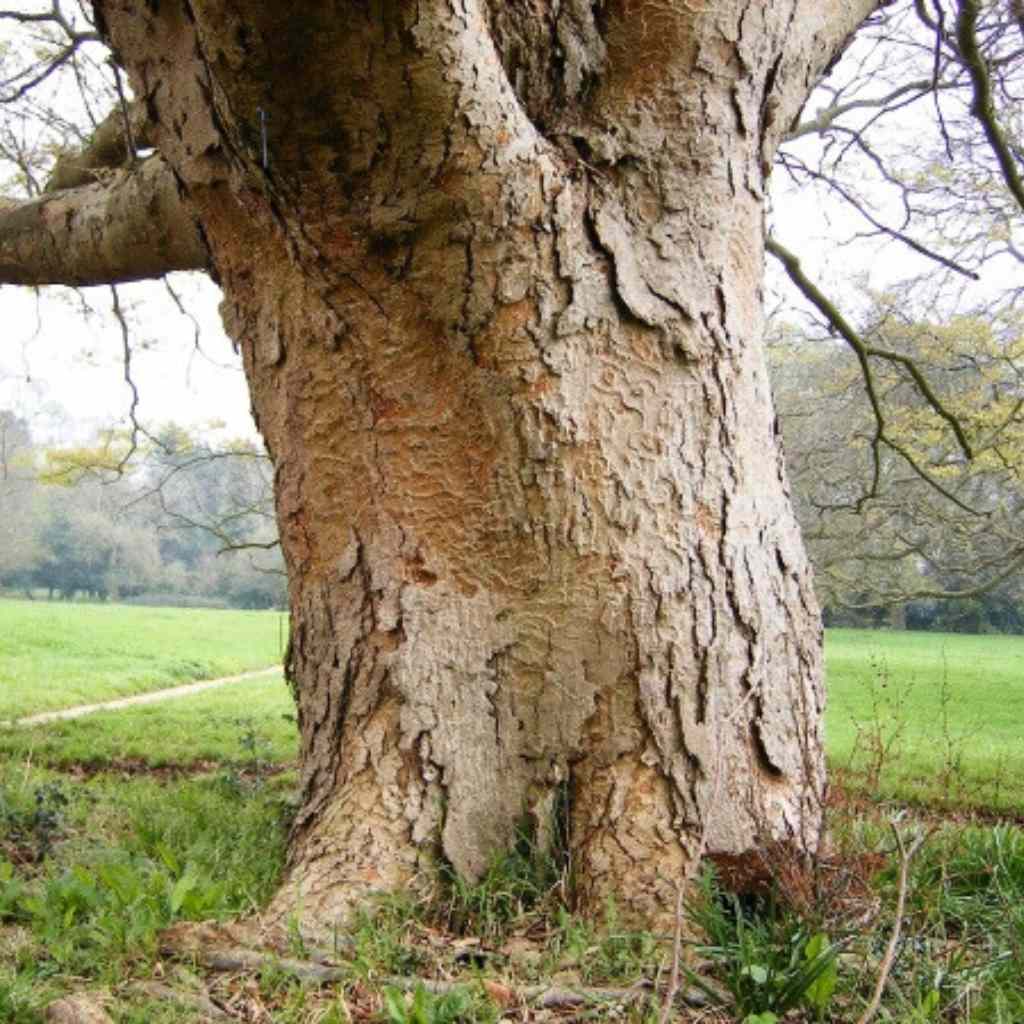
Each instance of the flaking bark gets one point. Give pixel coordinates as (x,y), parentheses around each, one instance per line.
(495,273)
(113,144)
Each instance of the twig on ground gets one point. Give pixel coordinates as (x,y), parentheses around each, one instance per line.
(677,946)
(907,854)
(537,996)
(165,993)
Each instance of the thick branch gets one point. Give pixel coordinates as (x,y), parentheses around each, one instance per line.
(983,107)
(132,225)
(108,147)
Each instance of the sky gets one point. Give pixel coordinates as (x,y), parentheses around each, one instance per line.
(57,353)
(61,351)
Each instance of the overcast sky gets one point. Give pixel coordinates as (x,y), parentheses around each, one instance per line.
(55,351)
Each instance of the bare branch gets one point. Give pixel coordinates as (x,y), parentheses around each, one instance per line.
(895,233)
(829,115)
(25,80)
(983,107)
(126,347)
(37,75)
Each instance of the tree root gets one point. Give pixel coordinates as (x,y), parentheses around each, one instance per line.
(215,947)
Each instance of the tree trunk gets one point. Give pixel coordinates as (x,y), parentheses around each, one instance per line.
(550,555)
(495,272)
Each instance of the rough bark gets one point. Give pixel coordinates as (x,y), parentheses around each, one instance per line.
(495,272)
(113,144)
(128,226)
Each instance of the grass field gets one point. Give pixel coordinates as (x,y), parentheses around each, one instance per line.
(929,716)
(55,655)
(235,721)
(114,826)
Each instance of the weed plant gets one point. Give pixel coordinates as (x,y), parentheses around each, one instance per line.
(517,883)
(31,826)
(98,902)
(766,957)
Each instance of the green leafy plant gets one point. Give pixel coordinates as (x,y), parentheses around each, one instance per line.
(819,992)
(421,1006)
(768,961)
(249,774)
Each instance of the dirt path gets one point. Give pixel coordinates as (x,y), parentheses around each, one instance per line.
(143,698)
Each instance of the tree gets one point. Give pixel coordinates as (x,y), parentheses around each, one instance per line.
(904,429)
(84,546)
(18,545)
(912,520)
(495,272)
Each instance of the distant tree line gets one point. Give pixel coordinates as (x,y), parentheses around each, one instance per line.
(908,523)
(170,519)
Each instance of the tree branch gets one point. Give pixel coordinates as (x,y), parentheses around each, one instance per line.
(130,226)
(864,353)
(825,118)
(863,350)
(107,148)
(983,107)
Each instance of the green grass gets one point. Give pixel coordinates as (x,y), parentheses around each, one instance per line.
(929,716)
(115,825)
(215,725)
(55,655)
(126,859)
(94,863)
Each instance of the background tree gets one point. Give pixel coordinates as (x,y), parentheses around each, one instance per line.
(904,441)
(191,523)
(495,275)
(881,533)
(18,501)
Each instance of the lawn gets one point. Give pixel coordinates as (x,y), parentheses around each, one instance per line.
(928,716)
(114,826)
(55,655)
(250,719)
